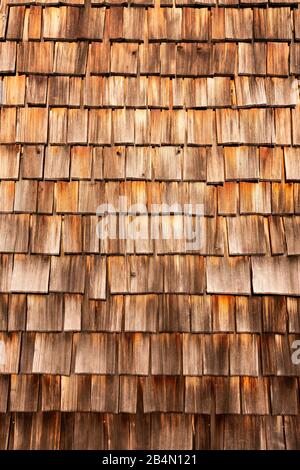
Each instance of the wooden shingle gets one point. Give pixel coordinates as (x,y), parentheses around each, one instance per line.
(30,274)
(191,60)
(66,195)
(58,125)
(228,126)
(13,90)
(52,353)
(223,313)
(257,126)
(252,58)
(277,235)
(228,198)
(250,91)
(24,393)
(274,314)
(72,312)
(35,57)
(216,354)
(166,354)
(294,59)
(255,198)
(37,90)
(195,24)
(77,126)
(70,58)
(10,161)
(291,225)
(200,127)
(32,162)
(238,24)
(14,233)
(72,234)
(25,196)
(76,393)
(179,274)
(8,125)
(124,58)
(7,194)
(34,22)
(255,396)
(8,53)
(45,236)
(32,125)
(101,347)
(58,90)
(228,275)
(192,354)
(141,312)
(275,275)
(100,126)
(284,395)
(10,344)
(282,198)
(177,431)
(277,59)
(97,51)
(291,159)
(67,274)
(246,235)
(134,354)
(241,163)
(44,313)
(6,271)
(273,24)
(57,163)
(270,163)
(163,394)
(4,387)
(107,401)
(227,393)
(243,355)
(15,22)
(113,94)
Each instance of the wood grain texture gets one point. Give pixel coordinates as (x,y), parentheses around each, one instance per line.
(190,110)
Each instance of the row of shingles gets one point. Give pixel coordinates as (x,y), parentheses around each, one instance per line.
(54,235)
(245,198)
(155,354)
(166,59)
(152,92)
(119,394)
(84,431)
(150,313)
(215,165)
(150,126)
(192,59)
(156,24)
(181,274)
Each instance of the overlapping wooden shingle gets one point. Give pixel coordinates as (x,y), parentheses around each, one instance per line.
(185,334)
